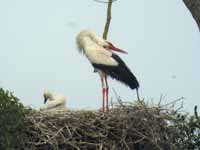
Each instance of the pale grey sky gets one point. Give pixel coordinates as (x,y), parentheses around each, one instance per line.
(38,49)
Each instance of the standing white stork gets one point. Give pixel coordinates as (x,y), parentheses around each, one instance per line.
(105,62)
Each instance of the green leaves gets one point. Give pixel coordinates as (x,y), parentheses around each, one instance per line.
(12,117)
(187,129)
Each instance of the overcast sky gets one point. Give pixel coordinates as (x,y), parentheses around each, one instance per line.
(38,50)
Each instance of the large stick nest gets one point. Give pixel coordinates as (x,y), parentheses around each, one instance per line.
(133,127)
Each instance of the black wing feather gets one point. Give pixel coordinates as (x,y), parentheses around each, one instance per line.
(121,72)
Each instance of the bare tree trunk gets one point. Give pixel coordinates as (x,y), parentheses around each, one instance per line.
(194,7)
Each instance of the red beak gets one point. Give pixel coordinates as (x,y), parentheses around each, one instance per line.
(112,47)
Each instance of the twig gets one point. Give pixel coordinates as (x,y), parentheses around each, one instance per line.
(118,97)
(173,102)
(137,92)
(179,108)
(196,113)
(105,2)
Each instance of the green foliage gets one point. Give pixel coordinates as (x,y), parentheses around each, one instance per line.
(187,131)
(12,117)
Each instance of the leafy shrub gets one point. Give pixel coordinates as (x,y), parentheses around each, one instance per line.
(12,117)
(187,131)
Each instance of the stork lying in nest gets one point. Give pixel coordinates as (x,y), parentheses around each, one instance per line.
(53,101)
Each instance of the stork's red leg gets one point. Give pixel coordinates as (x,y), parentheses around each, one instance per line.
(103,95)
(107,88)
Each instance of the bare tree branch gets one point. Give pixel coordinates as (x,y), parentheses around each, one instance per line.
(194,7)
(105,2)
(107,25)
(108,19)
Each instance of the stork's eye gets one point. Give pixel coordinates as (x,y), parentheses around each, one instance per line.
(105,46)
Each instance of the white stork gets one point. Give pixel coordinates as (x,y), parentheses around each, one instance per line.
(53,101)
(105,62)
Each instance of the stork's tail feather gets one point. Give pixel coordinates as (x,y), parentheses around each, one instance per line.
(124,74)
(126,77)
(121,72)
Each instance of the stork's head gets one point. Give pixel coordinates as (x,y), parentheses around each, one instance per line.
(47,95)
(87,37)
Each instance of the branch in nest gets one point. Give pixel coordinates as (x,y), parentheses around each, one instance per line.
(196,113)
